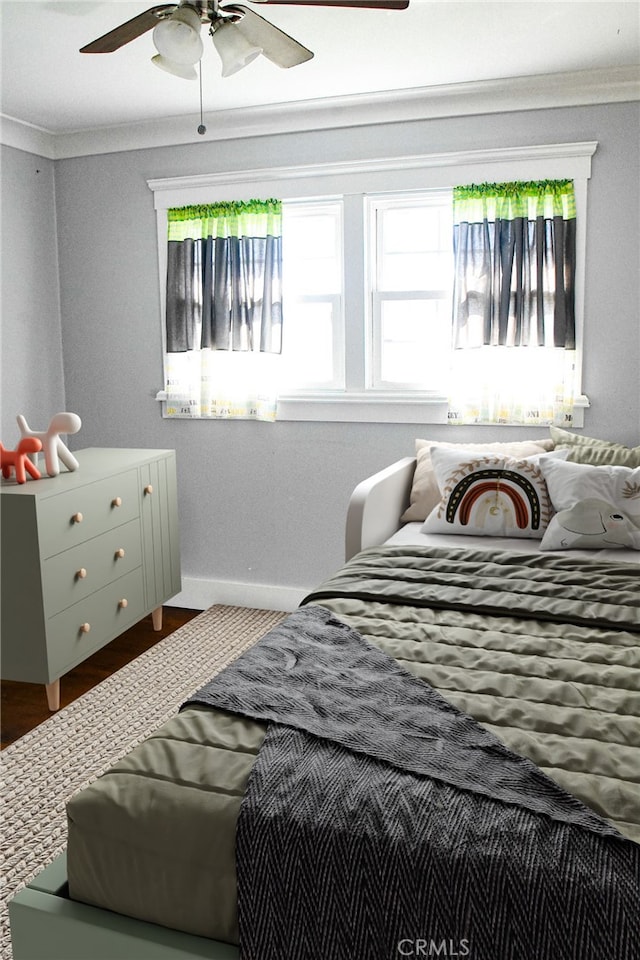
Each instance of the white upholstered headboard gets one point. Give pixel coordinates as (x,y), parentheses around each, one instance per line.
(376,506)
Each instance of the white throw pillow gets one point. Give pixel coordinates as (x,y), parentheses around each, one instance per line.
(425,493)
(490,495)
(596,507)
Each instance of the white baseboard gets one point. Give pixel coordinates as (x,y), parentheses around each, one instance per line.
(201,594)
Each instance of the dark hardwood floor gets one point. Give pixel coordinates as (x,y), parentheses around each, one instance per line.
(24,705)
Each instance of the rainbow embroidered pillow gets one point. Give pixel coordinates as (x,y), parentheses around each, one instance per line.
(489,495)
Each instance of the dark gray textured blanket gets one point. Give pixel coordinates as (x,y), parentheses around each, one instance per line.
(380,822)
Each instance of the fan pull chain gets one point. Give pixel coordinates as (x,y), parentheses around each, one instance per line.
(201,129)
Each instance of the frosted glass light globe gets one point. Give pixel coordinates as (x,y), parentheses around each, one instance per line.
(178,38)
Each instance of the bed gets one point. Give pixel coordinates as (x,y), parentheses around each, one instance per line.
(531,654)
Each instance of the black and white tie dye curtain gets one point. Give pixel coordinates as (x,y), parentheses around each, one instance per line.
(514,328)
(224,309)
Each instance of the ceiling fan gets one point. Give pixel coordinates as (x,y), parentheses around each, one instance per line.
(239,35)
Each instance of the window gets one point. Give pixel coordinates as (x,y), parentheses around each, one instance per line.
(367,263)
(312,280)
(410,280)
(402,246)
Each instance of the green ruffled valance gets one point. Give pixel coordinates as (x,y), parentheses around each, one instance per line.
(527,199)
(235,218)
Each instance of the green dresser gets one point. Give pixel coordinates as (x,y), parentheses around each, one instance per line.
(84,556)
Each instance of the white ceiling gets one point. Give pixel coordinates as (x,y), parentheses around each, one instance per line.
(433,59)
(47,83)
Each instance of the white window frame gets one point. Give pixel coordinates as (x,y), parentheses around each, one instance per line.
(335,300)
(376,297)
(352,179)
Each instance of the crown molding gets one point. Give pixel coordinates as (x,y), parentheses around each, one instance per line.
(24,136)
(580,88)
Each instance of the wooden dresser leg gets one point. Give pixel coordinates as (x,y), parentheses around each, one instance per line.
(53,694)
(156,617)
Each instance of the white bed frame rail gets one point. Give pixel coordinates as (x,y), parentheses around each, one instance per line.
(376,506)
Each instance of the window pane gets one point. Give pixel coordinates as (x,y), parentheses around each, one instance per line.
(409,229)
(411,282)
(301,276)
(416,271)
(311,249)
(312,292)
(414,246)
(311,234)
(415,342)
(308,344)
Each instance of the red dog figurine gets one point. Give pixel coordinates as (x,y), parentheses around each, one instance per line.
(18,459)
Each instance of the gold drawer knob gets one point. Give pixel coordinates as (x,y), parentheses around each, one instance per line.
(81,573)
(116,502)
(120,552)
(123,603)
(77,518)
(85,627)
(148,489)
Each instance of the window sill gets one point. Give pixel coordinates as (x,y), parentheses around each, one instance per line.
(363,407)
(379,408)
(341,407)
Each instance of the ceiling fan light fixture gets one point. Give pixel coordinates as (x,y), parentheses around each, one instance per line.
(178,37)
(185,70)
(234,49)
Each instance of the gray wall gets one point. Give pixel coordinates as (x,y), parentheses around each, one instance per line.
(30,336)
(262,503)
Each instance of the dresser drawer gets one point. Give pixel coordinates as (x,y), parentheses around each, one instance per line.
(104,614)
(75,574)
(87,511)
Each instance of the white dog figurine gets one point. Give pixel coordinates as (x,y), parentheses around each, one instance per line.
(52,446)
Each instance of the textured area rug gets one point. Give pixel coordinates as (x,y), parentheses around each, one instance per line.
(43,769)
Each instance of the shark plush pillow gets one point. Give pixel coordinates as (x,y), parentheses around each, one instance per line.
(596,507)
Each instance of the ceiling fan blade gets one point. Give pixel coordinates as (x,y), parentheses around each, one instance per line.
(130,30)
(368,4)
(276,45)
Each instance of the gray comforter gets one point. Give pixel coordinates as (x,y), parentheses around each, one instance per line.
(543,652)
(379,818)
